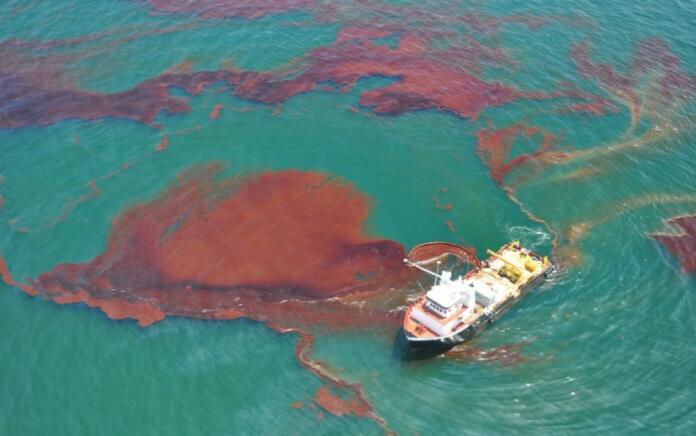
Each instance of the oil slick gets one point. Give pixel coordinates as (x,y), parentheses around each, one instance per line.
(280,247)
(682,245)
(425,77)
(306,265)
(173,254)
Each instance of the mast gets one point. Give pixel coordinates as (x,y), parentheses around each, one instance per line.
(425,270)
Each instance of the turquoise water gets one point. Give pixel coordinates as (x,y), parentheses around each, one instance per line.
(609,344)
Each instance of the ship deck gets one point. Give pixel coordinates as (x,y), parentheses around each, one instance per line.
(487,280)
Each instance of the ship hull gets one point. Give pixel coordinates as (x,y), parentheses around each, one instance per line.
(415,348)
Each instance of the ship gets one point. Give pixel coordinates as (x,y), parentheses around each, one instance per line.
(457,308)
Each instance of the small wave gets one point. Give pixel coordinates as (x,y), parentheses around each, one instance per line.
(532,237)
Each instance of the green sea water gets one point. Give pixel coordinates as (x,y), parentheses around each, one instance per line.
(609,343)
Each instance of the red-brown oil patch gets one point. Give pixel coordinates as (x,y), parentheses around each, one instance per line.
(595,108)
(34,80)
(357,402)
(446,207)
(297,405)
(242,246)
(495,148)
(215,113)
(339,406)
(425,77)
(43,102)
(163,144)
(506,355)
(284,247)
(682,246)
(654,84)
(10,281)
(423,81)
